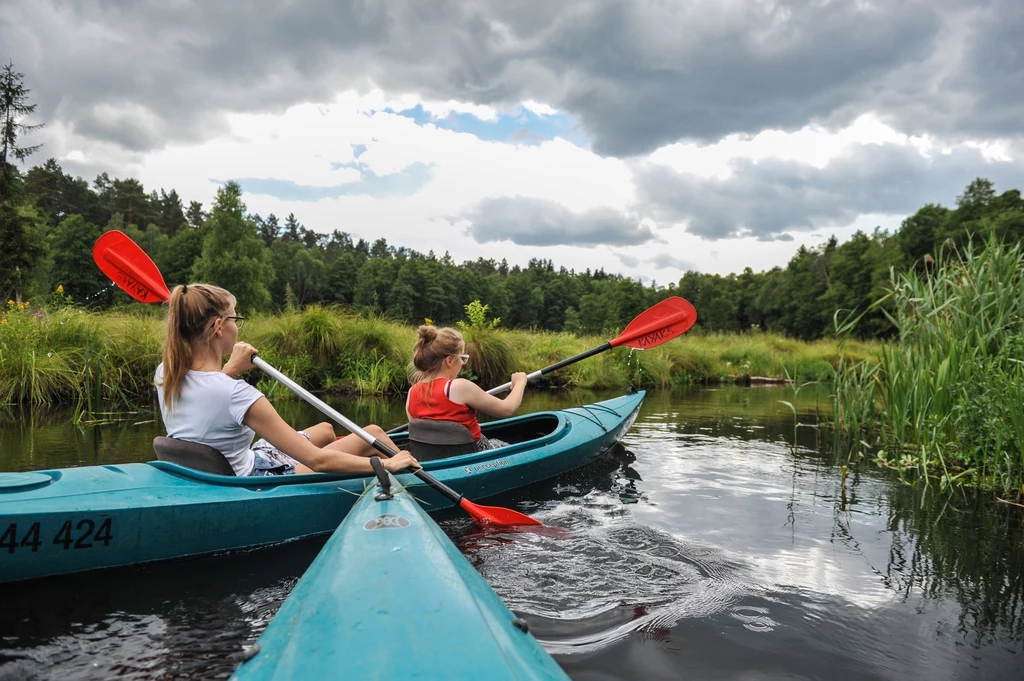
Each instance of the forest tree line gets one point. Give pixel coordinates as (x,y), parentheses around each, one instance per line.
(49,221)
(273,264)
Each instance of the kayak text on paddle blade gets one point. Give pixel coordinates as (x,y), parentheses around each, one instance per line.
(658,324)
(130,268)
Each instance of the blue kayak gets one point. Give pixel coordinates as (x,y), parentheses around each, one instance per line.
(67,520)
(390,597)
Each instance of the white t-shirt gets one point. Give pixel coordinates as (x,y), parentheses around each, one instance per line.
(210,410)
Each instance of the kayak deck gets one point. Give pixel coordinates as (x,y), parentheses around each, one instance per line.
(389,596)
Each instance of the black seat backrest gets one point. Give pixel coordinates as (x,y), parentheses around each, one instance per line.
(431,439)
(191,455)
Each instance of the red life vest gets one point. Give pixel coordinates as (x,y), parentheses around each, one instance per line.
(431,401)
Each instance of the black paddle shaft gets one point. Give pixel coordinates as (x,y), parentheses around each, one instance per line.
(554,367)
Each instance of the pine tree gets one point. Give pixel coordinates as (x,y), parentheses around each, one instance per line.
(233,255)
(172,214)
(20,226)
(269,229)
(14,107)
(291,228)
(195,215)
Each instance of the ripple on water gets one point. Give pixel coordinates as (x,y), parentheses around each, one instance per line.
(605,577)
(753,618)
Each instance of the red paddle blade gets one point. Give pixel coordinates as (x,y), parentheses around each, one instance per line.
(494,515)
(129,267)
(658,324)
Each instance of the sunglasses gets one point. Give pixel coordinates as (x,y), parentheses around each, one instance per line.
(464,358)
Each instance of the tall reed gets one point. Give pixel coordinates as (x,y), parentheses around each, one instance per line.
(947,393)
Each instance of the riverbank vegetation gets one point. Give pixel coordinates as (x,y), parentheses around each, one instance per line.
(57,353)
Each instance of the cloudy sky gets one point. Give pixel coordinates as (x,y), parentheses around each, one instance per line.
(645,137)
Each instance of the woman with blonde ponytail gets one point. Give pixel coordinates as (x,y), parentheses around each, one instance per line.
(202,401)
(438,393)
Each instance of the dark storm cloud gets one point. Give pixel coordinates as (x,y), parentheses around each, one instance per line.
(134,131)
(767,198)
(635,73)
(539,222)
(991,76)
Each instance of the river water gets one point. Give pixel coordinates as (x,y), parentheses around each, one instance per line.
(706,546)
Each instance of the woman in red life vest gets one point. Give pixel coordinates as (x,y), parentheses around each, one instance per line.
(438,356)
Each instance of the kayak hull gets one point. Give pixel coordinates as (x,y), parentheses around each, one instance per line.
(390,597)
(75,519)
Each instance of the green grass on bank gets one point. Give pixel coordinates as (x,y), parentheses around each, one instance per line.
(66,355)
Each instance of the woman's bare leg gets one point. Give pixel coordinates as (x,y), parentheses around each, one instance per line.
(321,435)
(353,444)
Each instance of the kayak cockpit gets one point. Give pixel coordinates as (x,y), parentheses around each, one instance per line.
(530,428)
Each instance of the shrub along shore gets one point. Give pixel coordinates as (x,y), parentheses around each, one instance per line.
(54,354)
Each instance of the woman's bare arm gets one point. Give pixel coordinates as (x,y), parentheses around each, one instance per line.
(472,395)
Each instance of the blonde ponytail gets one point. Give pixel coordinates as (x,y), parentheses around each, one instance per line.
(191,309)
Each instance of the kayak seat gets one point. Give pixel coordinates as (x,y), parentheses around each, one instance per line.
(191,455)
(431,439)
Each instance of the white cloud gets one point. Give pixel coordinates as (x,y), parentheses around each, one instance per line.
(539,108)
(812,145)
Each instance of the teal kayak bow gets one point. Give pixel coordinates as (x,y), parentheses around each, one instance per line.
(390,597)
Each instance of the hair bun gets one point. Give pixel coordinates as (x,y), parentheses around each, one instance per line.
(427,333)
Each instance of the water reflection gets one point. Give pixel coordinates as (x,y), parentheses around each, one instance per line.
(966,548)
(711,544)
